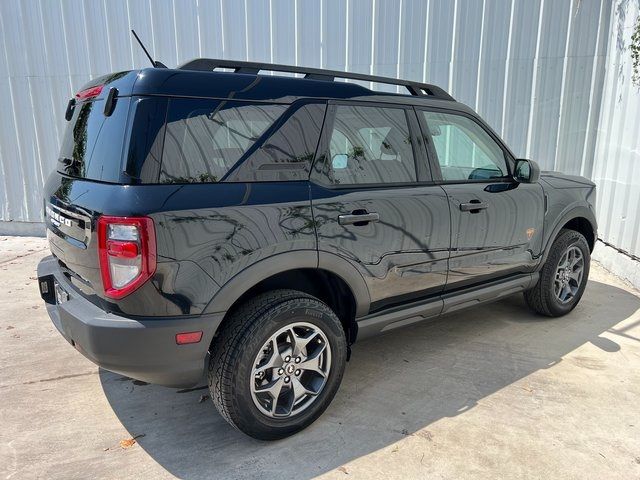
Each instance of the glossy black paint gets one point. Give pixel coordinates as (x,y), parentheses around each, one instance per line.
(404,255)
(206,234)
(502,239)
(217,240)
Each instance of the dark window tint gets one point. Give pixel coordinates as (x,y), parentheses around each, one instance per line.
(204,139)
(146,139)
(465,150)
(92,144)
(287,154)
(370,145)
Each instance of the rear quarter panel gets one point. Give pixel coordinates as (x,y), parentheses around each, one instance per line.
(227,227)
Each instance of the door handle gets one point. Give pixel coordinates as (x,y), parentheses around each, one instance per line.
(474,206)
(358,218)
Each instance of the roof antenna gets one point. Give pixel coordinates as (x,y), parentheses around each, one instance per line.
(155,63)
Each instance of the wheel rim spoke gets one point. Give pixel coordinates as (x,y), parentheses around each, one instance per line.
(313,363)
(274,361)
(300,343)
(273,388)
(299,390)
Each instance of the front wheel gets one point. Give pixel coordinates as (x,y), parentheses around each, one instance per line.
(563,277)
(277,364)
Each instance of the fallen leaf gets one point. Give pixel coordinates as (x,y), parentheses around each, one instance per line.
(130,442)
(203,398)
(395,449)
(343,470)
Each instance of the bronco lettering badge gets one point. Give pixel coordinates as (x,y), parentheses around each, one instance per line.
(57,219)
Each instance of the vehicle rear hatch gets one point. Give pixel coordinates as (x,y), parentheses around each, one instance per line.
(89,168)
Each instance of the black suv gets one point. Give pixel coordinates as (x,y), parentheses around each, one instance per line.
(252,227)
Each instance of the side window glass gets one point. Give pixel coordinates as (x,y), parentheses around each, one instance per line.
(205,138)
(287,154)
(465,150)
(370,145)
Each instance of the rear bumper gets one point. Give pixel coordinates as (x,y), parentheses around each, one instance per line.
(140,348)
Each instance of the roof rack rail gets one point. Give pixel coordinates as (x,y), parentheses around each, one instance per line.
(415,88)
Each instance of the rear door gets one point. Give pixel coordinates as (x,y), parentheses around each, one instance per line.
(375,205)
(496,222)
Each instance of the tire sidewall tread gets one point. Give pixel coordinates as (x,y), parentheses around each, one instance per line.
(541,297)
(234,349)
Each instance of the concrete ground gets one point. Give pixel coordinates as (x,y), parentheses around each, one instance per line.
(493,392)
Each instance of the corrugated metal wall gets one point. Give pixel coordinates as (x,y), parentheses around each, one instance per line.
(535,69)
(617,159)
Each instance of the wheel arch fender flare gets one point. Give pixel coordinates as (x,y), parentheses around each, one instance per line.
(231,291)
(576,211)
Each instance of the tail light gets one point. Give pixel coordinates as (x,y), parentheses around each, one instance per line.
(127,250)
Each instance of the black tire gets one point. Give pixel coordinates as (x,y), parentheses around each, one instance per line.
(234,349)
(541,298)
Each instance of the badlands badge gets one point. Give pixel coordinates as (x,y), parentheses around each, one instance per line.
(530,232)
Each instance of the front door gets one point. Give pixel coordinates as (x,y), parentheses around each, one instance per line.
(496,222)
(374,203)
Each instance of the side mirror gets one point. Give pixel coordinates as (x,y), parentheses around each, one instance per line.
(526,171)
(340,161)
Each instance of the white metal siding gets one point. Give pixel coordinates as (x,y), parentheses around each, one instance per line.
(534,69)
(616,168)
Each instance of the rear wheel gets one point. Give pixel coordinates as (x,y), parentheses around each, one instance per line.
(563,277)
(277,364)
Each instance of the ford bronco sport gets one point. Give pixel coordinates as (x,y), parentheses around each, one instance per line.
(252,227)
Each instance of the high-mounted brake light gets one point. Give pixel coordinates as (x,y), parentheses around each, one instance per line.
(127,251)
(90,92)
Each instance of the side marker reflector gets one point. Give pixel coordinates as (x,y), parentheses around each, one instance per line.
(188,337)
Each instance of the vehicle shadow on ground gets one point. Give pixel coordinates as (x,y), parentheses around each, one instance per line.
(394,385)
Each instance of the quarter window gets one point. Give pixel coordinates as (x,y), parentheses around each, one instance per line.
(205,139)
(288,153)
(370,145)
(465,150)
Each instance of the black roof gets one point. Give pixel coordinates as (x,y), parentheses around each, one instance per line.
(200,79)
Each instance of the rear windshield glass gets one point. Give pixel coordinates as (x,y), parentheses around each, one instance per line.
(205,138)
(92,144)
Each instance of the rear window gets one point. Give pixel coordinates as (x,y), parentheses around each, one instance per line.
(204,139)
(92,143)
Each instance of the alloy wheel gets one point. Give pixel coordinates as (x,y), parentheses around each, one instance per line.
(290,370)
(569,273)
